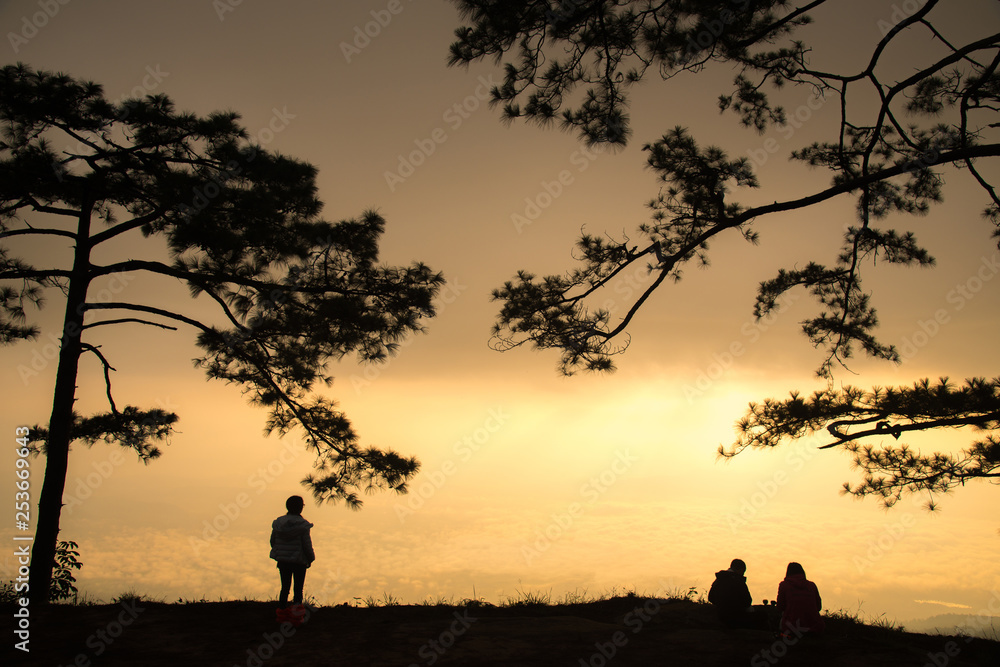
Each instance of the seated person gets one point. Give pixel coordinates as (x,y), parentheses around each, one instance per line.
(799,602)
(730,596)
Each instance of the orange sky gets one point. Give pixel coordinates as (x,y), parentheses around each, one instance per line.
(530,481)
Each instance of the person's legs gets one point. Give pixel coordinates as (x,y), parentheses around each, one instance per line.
(285,571)
(300,579)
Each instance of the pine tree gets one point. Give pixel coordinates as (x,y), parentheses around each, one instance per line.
(574,63)
(198,202)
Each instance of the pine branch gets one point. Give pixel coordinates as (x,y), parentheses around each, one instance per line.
(125,320)
(40,232)
(113,305)
(107,372)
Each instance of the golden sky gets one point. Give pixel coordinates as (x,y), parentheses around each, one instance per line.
(529,481)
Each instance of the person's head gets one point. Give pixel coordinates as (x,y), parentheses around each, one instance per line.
(738,566)
(794,568)
(294,504)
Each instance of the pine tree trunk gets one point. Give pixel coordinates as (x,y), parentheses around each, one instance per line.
(60,422)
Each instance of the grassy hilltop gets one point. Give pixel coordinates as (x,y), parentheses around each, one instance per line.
(530,631)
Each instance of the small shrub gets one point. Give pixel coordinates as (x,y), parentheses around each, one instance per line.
(63,586)
(132,596)
(575,597)
(387,600)
(476,603)
(529,599)
(441,601)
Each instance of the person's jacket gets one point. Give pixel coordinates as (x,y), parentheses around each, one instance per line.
(290,541)
(729,594)
(799,603)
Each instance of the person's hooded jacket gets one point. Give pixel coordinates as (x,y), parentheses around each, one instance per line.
(799,603)
(290,541)
(729,595)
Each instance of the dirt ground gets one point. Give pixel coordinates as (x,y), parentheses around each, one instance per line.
(617,632)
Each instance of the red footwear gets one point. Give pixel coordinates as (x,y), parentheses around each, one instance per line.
(296,614)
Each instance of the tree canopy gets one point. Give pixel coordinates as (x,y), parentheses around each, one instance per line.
(887,472)
(575,62)
(137,187)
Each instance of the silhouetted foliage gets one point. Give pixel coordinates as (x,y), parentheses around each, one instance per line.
(202,204)
(63,586)
(888,471)
(577,60)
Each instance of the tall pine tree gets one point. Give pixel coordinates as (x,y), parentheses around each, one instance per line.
(197,201)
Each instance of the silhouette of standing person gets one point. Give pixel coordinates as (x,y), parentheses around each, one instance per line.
(292,547)
(799,602)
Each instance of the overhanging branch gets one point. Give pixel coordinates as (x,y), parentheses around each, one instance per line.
(126,226)
(33,274)
(296,408)
(151,310)
(41,232)
(958,155)
(107,372)
(896,429)
(126,320)
(201,279)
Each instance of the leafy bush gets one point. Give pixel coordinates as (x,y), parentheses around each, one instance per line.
(63,586)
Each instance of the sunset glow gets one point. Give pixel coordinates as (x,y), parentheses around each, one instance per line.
(529,481)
